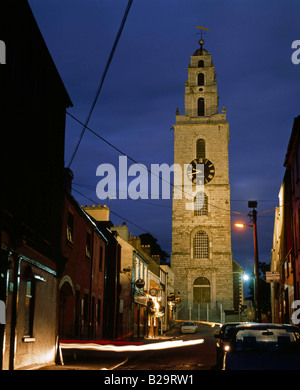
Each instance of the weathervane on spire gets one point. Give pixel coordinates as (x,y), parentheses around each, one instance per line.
(201,42)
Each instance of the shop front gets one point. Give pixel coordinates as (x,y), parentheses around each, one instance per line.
(140,312)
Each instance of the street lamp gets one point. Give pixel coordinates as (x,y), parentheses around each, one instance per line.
(245,277)
(253,217)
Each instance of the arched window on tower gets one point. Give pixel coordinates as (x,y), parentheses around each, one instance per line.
(200,79)
(201,204)
(201,64)
(201,108)
(200,245)
(200,148)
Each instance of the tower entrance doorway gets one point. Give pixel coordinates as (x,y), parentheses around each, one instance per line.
(201,292)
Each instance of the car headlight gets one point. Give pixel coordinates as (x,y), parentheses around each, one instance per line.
(227,348)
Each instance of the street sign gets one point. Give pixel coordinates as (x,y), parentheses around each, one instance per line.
(171,297)
(272,276)
(140,283)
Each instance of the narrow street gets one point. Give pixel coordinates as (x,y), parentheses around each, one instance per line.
(196,357)
(201,356)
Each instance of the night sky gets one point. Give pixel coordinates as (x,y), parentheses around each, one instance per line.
(258,84)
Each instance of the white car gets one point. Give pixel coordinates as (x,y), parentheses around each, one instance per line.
(189,327)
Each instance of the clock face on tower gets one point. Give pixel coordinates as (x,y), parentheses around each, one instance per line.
(207,175)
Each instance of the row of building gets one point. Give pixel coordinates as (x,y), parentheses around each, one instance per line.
(66,272)
(285,258)
(107,285)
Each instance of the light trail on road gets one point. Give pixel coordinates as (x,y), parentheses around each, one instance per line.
(90,346)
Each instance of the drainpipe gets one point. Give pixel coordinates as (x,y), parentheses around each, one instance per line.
(3,297)
(15,301)
(133,289)
(91,284)
(166,303)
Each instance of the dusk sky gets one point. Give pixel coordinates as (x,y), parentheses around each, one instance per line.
(250,43)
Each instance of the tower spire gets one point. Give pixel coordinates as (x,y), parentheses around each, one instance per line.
(202,31)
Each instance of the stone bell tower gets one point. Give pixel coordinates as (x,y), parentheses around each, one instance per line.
(201,238)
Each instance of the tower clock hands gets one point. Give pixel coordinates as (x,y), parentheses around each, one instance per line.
(208,173)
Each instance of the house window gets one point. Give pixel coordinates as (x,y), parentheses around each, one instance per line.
(201,107)
(200,79)
(70,226)
(29,308)
(200,63)
(201,204)
(200,148)
(88,245)
(200,245)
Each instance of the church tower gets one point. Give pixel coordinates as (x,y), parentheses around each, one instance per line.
(201,237)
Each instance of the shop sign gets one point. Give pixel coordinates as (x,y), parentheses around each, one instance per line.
(140,299)
(272,276)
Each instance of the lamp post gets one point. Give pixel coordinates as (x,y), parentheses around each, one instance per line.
(242,277)
(253,216)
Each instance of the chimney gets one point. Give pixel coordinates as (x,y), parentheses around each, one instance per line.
(68,178)
(99,213)
(122,230)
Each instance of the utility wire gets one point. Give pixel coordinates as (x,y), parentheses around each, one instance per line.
(102,79)
(143,166)
(93,188)
(125,219)
(139,199)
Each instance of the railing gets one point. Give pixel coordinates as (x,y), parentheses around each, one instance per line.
(200,312)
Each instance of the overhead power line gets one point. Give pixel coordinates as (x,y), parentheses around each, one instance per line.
(147,169)
(125,219)
(102,79)
(93,188)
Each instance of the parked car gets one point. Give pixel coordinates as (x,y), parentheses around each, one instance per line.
(189,327)
(224,336)
(263,347)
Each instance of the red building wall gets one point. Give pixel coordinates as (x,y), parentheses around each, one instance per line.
(291,263)
(81,283)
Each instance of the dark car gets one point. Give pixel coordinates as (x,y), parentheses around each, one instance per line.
(224,336)
(263,347)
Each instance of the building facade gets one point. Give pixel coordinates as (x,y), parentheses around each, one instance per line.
(201,256)
(112,285)
(32,169)
(81,282)
(169,301)
(139,300)
(133,284)
(285,254)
